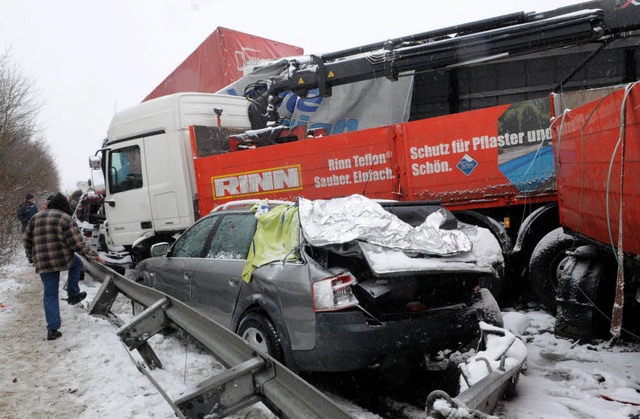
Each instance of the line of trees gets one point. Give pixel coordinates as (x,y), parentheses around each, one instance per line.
(26,163)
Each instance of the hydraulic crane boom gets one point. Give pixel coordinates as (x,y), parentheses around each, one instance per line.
(489,39)
(443,51)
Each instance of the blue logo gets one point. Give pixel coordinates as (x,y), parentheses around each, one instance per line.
(467,164)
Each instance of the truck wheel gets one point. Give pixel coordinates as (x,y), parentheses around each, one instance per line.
(261,334)
(543,266)
(584,292)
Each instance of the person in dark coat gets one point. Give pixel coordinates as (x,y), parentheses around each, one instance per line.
(26,210)
(51,240)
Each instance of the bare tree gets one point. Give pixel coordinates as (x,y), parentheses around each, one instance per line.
(27,164)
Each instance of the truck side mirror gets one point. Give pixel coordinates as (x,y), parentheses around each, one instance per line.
(95,162)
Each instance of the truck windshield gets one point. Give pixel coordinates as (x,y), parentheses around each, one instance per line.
(125,170)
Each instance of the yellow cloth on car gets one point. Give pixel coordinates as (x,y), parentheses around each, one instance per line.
(277,234)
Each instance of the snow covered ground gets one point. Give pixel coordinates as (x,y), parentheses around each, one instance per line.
(568,380)
(88,373)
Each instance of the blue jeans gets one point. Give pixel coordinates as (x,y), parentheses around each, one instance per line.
(51,282)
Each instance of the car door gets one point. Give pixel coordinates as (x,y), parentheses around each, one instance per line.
(173,274)
(218,278)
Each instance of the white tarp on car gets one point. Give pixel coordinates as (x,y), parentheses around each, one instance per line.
(358,218)
(485,256)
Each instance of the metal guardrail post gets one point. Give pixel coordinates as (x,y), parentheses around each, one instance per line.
(146,324)
(224,393)
(101,305)
(138,330)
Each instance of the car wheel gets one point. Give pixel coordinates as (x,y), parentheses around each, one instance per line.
(543,266)
(261,334)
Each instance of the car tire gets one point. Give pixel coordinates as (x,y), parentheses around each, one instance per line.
(260,332)
(543,266)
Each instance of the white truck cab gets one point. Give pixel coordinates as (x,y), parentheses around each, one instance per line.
(147,160)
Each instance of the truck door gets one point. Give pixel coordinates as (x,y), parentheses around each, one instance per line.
(127,204)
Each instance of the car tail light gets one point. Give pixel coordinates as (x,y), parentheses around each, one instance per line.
(334,293)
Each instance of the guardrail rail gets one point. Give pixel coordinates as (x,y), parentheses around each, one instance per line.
(250,376)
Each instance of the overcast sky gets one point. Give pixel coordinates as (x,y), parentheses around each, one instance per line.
(88,59)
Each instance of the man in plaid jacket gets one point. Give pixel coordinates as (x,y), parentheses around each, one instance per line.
(51,240)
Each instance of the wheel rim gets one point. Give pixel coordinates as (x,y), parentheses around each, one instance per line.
(556,268)
(256,339)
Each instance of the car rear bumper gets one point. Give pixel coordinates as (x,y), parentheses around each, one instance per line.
(346,341)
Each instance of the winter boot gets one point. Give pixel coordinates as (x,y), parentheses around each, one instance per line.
(77,298)
(53,334)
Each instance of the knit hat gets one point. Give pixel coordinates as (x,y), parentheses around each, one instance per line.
(59,202)
(28,197)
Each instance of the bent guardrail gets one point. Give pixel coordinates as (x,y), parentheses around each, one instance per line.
(250,376)
(480,398)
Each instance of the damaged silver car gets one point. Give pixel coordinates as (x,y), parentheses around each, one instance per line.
(335,285)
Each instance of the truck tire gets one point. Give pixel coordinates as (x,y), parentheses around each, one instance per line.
(583,293)
(259,331)
(543,265)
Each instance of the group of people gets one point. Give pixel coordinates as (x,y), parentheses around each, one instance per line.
(52,242)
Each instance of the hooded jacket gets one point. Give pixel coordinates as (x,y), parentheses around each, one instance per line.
(52,237)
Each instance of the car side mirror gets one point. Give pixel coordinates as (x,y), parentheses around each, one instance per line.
(159,249)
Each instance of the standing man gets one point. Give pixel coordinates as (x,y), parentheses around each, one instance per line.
(50,240)
(26,210)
